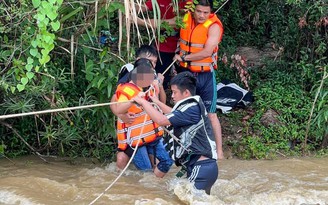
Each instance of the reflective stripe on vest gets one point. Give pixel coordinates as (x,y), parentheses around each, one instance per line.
(193,39)
(129,134)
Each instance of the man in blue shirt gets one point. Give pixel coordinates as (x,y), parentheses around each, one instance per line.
(194,144)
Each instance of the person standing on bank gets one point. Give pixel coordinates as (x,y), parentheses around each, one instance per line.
(197,52)
(195,149)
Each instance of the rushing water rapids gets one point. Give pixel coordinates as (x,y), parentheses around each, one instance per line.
(29,180)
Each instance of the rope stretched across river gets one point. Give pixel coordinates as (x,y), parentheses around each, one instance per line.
(59,110)
(71,108)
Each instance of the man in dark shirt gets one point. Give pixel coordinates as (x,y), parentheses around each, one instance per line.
(194,144)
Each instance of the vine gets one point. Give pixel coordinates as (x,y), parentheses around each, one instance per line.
(43,43)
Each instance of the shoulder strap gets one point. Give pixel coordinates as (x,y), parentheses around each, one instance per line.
(127,89)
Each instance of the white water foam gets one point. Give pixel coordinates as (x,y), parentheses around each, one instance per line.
(8,198)
(188,194)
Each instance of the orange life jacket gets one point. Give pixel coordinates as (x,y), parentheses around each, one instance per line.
(192,40)
(130,134)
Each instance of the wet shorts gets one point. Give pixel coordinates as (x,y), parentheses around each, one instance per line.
(141,159)
(203,173)
(206,89)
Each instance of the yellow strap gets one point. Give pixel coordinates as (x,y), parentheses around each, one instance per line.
(207,23)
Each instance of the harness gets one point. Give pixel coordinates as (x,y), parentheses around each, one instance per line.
(179,144)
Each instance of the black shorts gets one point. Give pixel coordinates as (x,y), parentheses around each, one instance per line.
(203,173)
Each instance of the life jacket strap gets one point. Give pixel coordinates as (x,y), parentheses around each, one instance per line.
(189,44)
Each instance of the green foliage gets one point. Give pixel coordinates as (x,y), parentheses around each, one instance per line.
(284,93)
(38,58)
(321,118)
(2,149)
(287,86)
(51,52)
(252,147)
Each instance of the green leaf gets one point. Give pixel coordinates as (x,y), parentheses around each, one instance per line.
(89,76)
(12,89)
(45,22)
(52,15)
(100,81)
(86,50)
(109,89)
(5,85)
(49,47)
(40,17)
(47,39)
(29,60)
(110,73)
(89,66)
(44,52)
(29,75)
(45,59)
(20,87)
(29,67)
(2,149)
(55,25)
(46,4)
(37,68)
(42,61)
(24,81)
(36,3)
(33,52)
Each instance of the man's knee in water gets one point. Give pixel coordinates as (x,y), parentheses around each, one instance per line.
(121,160)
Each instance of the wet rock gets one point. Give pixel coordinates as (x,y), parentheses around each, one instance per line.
(269,118)
(255,57)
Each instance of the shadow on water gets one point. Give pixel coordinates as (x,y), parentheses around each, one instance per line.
(29,180)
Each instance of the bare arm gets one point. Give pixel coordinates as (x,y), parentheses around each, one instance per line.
(126,117)
(153,22)
(141,8)
(123,107)
(113,106)
(119,108)
(146,22)
(154,114)
(162,105)
(162,93)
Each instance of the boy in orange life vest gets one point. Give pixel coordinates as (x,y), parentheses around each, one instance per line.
(150,53)
(197,52)
(143,131)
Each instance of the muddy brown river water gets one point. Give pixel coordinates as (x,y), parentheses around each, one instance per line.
(295,181)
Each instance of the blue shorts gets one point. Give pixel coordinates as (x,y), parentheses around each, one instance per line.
(141,159)
(203,173)
(206,89)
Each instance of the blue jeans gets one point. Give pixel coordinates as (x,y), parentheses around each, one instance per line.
(141,159)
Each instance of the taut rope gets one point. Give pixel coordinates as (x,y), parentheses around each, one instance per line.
(117,178)
(59,110)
